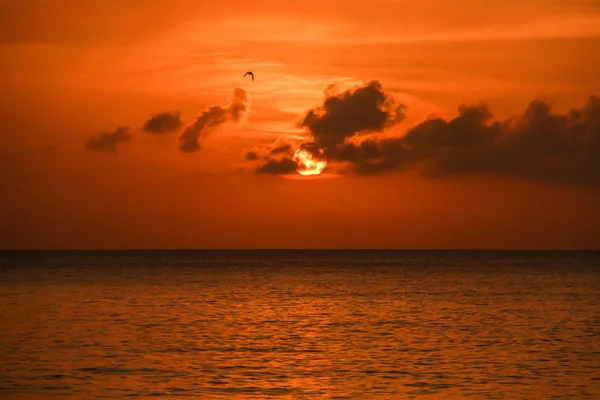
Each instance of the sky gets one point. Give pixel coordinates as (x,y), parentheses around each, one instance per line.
(463,124)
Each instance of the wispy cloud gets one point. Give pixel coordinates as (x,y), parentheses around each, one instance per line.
(211,118)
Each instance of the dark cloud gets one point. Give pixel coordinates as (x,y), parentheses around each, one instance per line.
(282,149)
(536,144)
(211,118)
(282,159)
(312,148)
(275,159)
(251,155)
(163,123)
(107,142)
(373,156)
(360,111)
(363,110)
(284,165)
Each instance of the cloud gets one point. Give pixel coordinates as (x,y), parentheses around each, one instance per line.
(163,123)
(107,142)
(536,144)
(251,155)
(280,159)
(211,118)
(275,159)
(282,149)
(284,165)
(362,110)
(312,148)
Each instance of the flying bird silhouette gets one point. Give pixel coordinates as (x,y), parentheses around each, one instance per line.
(251,74)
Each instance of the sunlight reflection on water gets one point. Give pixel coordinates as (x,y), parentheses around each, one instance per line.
(241,325)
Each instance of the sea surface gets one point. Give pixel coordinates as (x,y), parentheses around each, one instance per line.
(300,324)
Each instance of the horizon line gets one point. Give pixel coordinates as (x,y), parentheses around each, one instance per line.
(304,249)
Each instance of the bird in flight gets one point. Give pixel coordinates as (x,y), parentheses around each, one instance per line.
(251,74)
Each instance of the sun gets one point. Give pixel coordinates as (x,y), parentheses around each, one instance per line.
(310,159)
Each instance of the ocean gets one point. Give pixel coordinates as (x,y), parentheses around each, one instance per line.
(300,324)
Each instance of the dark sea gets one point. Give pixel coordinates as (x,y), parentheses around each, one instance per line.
(300,324)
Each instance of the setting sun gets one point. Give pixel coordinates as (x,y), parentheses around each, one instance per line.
(310,161)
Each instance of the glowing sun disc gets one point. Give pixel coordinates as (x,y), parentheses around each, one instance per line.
(310,160)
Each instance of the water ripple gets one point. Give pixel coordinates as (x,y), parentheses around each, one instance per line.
(341,325)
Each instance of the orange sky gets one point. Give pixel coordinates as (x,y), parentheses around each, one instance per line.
(71,70)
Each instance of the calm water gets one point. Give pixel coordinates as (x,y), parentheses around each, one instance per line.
(292,325)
